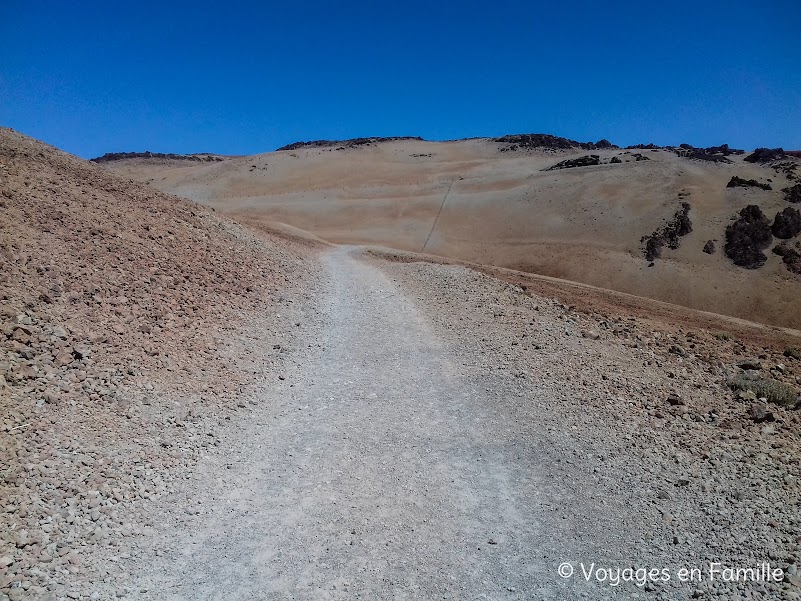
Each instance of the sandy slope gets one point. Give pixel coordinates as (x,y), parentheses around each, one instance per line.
(470,201)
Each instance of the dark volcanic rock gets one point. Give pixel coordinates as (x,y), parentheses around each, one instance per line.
(790,257)
(644,147)
(585,161)
(765,155)
(738,182)
(539,141)
(783,162)
(118,156)
(615,160)
(352,143)
(788,168)
(549,142)
(714,154)
(722,149)
(747,237)
(793,193)
(669,234)
(787,224)
(709,247)
(703,156)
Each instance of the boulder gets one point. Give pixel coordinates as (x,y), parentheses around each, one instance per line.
(760,413)
(747,237)
(787,224)
(793,193)
(669,234)
(791,257)
(585,161)
(765,155)
(739,182)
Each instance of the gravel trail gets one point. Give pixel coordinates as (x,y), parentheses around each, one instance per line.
(381,473)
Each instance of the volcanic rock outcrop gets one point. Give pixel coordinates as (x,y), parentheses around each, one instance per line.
(119,156)
(747,237)
(352,143)
(585,161)
(792,193)
(739,182)
(791,257)
(669,234)
(549,142)
(787,224)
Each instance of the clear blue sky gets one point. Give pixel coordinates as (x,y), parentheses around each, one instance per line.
(243,77)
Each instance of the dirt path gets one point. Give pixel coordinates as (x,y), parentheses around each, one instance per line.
(381,473)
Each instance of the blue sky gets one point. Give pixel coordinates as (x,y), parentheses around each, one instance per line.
(243,77)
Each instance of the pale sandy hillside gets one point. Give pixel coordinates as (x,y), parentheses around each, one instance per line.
(479,200)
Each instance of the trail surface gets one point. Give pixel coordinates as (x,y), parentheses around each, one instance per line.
(382,473)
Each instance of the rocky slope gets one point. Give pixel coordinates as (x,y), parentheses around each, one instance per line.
(123,328)
(708,473)
(533,202)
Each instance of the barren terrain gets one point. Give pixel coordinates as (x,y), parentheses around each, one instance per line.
(128,321)
(194,408)
(497,203)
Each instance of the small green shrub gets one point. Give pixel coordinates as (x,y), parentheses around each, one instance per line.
(723,336)
(773,390)
(793,352)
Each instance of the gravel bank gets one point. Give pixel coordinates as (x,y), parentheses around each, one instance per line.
(685,474)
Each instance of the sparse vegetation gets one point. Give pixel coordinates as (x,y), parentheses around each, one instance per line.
(793,352)
(774,391)
(723,336)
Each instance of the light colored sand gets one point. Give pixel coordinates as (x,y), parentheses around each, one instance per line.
(583,224)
